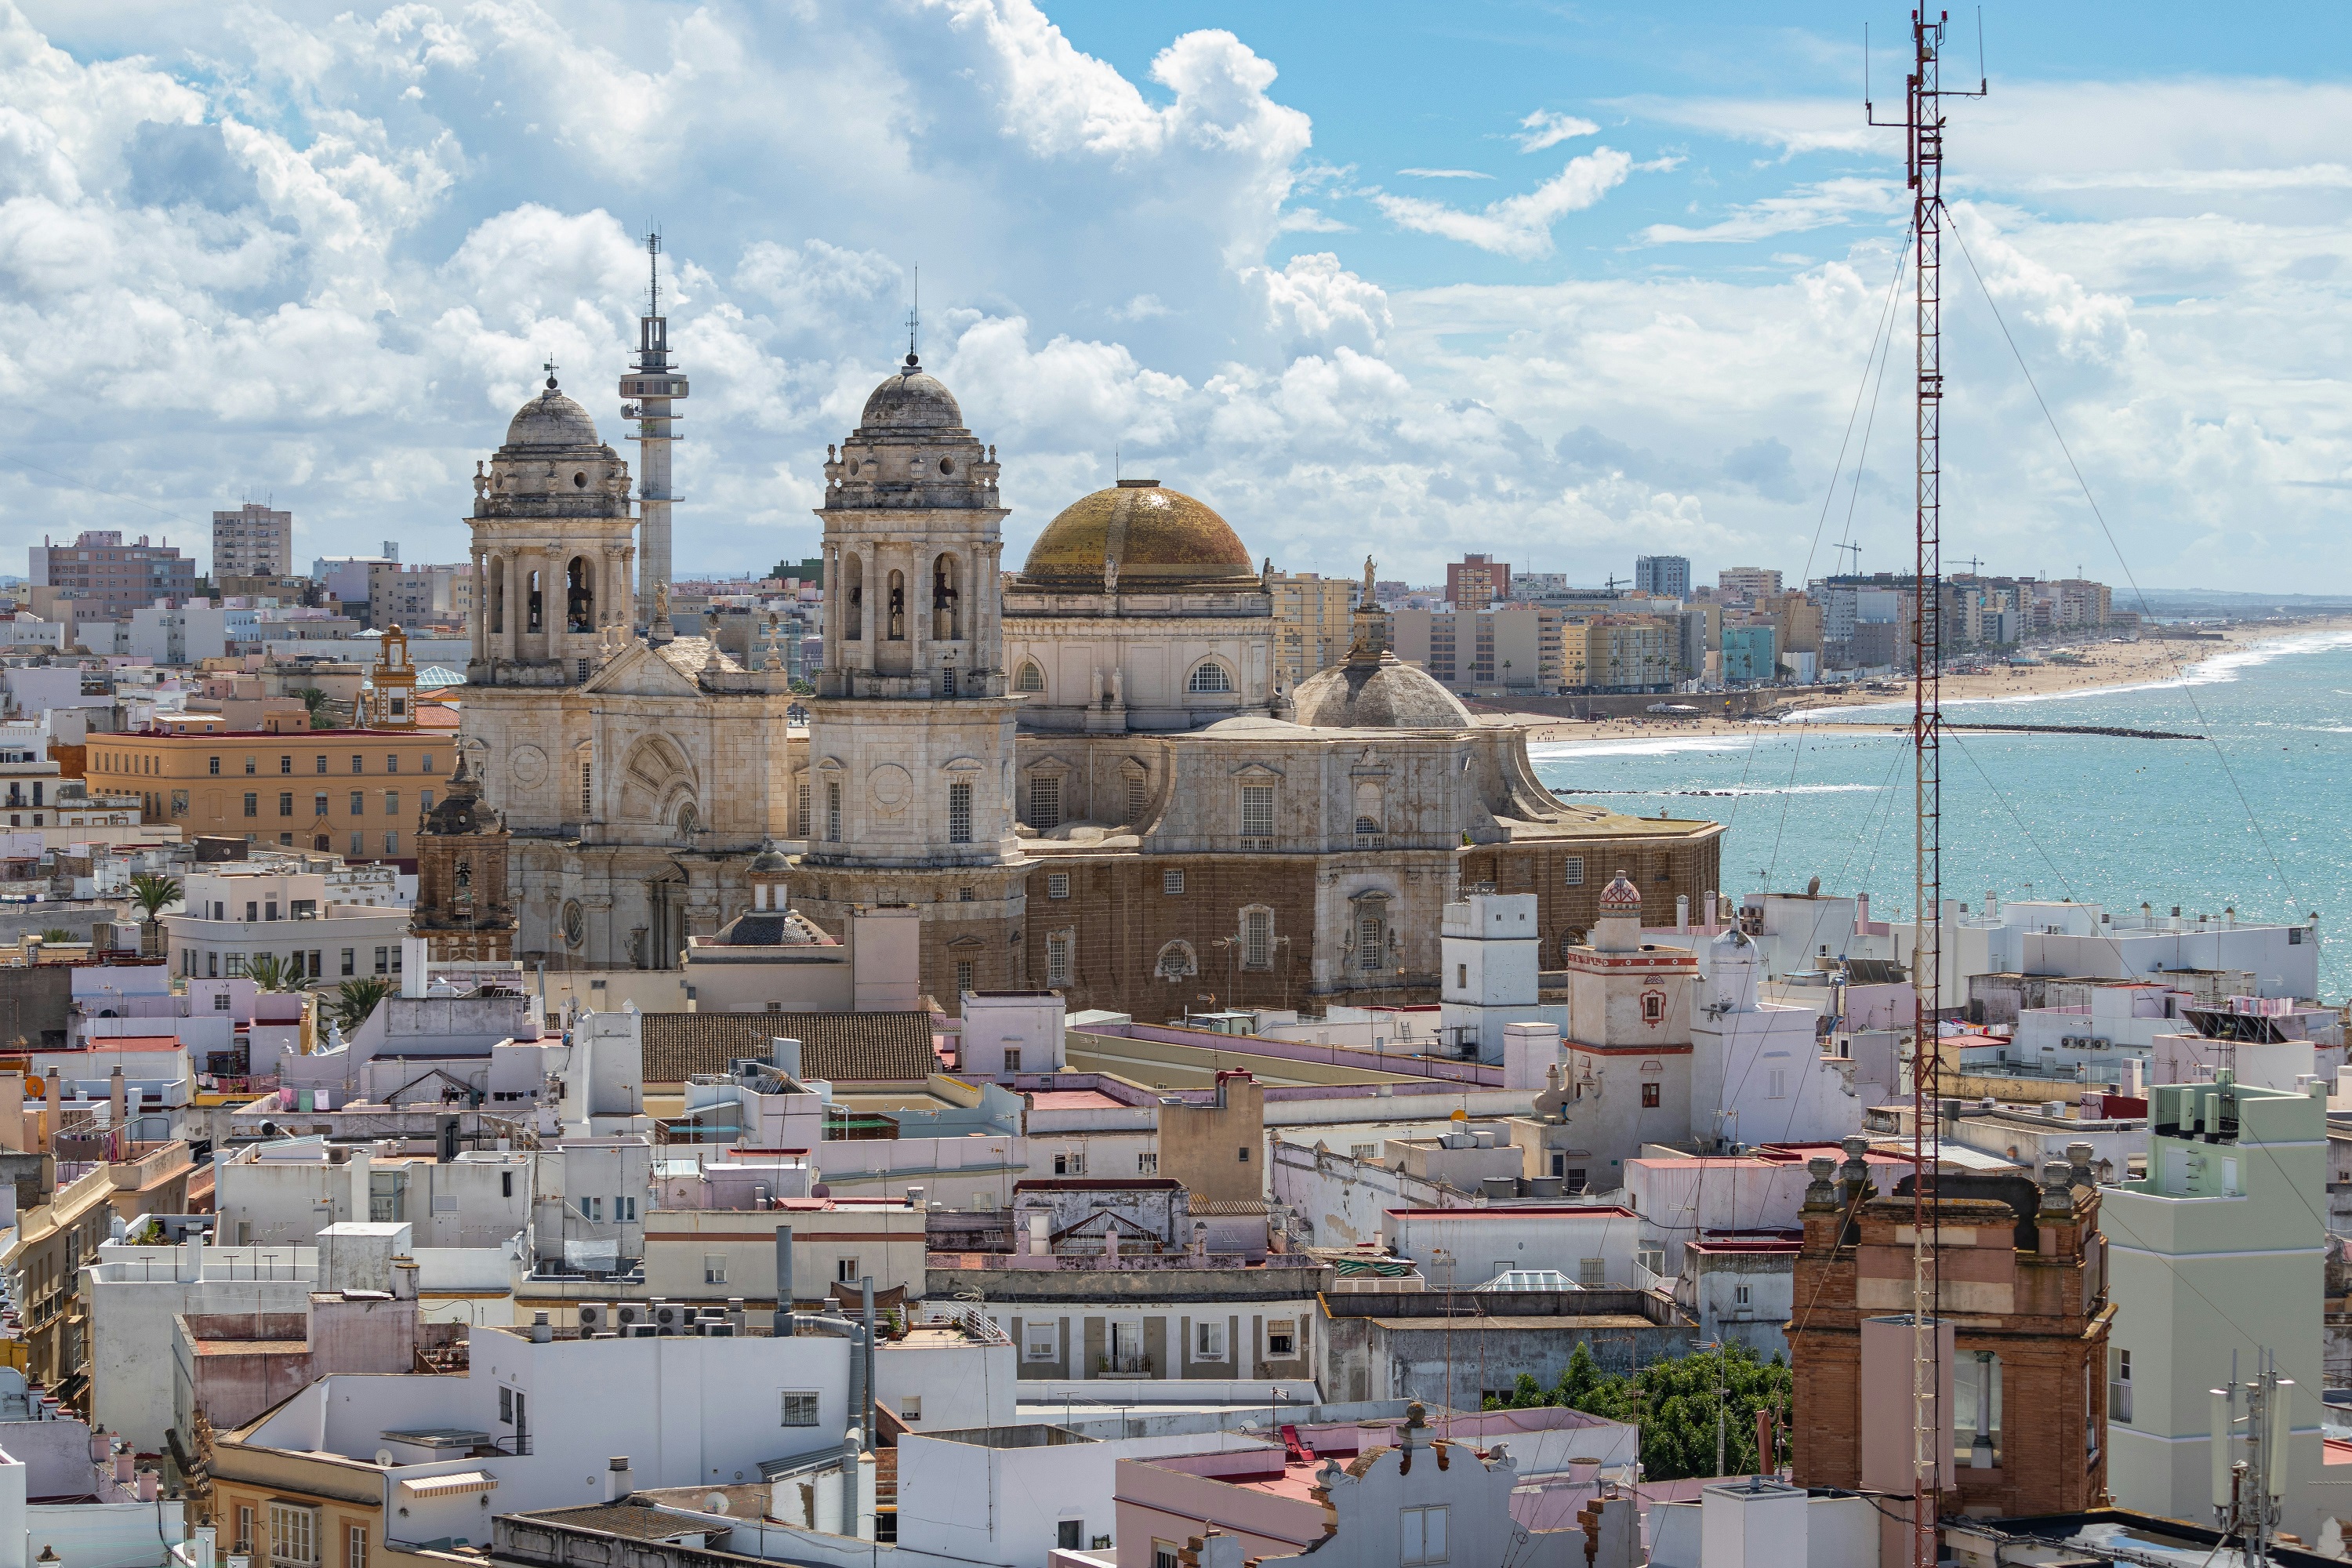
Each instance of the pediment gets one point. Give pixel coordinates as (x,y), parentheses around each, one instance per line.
(638,671)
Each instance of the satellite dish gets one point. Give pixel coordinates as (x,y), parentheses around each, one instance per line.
(384,1457)
(715,1503)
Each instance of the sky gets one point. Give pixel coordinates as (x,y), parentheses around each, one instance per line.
(1563,283)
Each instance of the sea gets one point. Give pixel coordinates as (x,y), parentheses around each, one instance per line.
(2255,816)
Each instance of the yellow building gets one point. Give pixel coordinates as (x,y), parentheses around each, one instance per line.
(358,793)
(1621,653)
(1311,621)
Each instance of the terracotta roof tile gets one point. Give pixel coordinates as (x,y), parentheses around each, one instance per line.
(839,1047)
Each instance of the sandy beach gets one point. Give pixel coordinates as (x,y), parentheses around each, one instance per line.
(2076,668)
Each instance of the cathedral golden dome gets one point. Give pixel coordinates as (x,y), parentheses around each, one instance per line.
(1158,537)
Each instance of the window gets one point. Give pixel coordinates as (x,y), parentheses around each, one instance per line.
(355,1547)
(1163,1555)
(358,767)
(1257,811)
(1057,884)
(1281,1339)
(801,803)
(252,804)
(392,843)
(384,960)
(1975,1410)
(1209,676)
(213,767)
(1649,1096)
(391,802)
(844,1270)
(350,956)
(964,976)
(959,813)
(1424,1540)
(625,1210)
(1592,1273)
(285,764)
(1057,958)
(1241,1155)
(1461,977)
(425,800)
(1135,798)
(1653,1006)
(318,804)
(359,844)
(2119,1385)
(1044,803)
(248,765)
(243,1510)
(392,764)
(1070,1534)
(1572,872)
(1172,881)
(1040,1341)
(1031,678)
(592,1208)
(320,764)
(428,762)
(286,803)
(1257,939)
(1147,1165)
(293,1534)
(833,812)
(714,1268)
(220,1002)
(505,1405)
(1072,1164)
(1208,1341)
(1371,938)
(359,802)
(800,1407)
(506,1178)
(1012,1059)
(1740,1296)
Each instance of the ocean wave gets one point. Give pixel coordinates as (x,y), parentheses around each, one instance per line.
(1742,789)
(1664,745)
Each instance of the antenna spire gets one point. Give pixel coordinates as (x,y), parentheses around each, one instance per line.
(914,315)
(653,270)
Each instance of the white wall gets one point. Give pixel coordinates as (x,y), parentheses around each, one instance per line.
(1515,1236)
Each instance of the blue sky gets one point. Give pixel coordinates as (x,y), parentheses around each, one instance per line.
(1566,282)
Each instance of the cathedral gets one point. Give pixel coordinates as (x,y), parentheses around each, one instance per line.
(1085,774)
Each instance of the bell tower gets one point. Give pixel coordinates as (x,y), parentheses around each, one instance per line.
(552,547)
(912,738)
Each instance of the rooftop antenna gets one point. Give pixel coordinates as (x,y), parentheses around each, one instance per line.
(1923,134)
(653,270)
(1114,462)
(914,313)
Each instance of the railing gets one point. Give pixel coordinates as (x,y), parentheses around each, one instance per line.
(1646,1280)
(1125,1262)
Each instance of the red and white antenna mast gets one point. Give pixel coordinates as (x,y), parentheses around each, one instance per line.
(1923,128)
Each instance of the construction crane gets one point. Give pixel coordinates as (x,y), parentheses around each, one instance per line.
(1855,549)
(1922,125)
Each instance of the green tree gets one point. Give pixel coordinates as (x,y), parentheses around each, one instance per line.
(272,973)
(350,1003)
(314,702)
(59,933)
(1675,1404)
(151,890)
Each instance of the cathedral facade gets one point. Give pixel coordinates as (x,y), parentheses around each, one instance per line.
(1086,776)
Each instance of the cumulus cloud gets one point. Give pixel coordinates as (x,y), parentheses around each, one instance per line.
(1545,129)
(1516,226)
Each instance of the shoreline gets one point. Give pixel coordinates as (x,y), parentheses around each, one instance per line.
(2100,667)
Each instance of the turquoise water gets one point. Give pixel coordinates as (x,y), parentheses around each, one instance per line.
(2253,817)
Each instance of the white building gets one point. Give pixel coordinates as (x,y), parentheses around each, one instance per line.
(1757,1074)
(231,917)
(2216,1256)
(1591,1245)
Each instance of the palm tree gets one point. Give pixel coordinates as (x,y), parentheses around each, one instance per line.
(59,933)
(151,890)
(350,1003)
(272,973)
(314,702)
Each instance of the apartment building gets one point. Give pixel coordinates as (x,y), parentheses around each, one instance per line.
(1622,653)
(1662,576)
(252,541)
(357,793)
(1312,622)
(1748,583)
(235,915)
(1475,582)
(107,577)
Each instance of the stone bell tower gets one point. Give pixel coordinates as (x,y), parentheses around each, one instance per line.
(912,738)
(552,547)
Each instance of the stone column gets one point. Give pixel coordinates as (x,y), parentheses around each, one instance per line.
(481,616)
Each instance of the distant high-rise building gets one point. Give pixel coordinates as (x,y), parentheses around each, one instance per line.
(1475,582)
(252,541)
(1311,622)
(111,578)
(1666,576)
(1749,581)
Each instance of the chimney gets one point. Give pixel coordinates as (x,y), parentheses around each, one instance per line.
(542,1332)
(125,1462)
(98,1445)
(146,1486)
(617,1479)
(784,1319)
(118,1100)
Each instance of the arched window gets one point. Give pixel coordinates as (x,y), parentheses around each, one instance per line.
(1368,808)
(1257,938)
(497,595)
(689,821)
(947,600)
(853,595)
(1176,961)
(1209,676)
(579,596)
(1031,678)
(894,629)
(534,604)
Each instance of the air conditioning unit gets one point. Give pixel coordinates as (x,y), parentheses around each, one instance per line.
(643,1332)
(592,1318)
(667,1317)
(628,1316)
